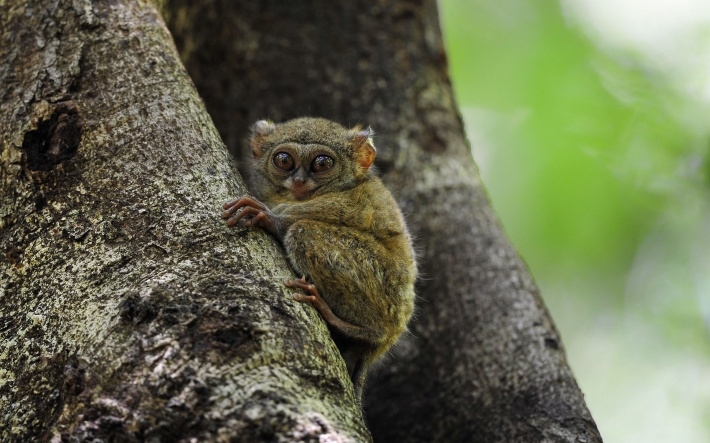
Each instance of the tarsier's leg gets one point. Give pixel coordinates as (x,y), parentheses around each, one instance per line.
(348,330)
(362,337)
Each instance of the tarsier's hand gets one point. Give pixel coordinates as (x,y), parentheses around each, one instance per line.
(251,213)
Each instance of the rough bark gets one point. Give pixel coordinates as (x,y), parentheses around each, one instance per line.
(483,361)
(129,312)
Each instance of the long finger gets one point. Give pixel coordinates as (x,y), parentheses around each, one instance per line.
(234,205)
(248,210)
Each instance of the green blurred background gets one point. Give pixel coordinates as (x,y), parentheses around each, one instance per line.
(590,123)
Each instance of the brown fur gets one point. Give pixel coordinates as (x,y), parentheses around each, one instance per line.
(341,229)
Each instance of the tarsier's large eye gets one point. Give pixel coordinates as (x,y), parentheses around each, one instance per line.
(283,161)
(322,163)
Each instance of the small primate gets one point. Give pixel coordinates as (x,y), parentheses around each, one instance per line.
(314,191)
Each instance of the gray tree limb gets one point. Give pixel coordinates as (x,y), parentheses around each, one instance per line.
(128,311)
(483,362)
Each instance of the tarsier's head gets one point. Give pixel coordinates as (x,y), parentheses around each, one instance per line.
(307,156)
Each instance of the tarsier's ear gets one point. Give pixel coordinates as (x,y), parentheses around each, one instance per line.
(261,129)
(363,146)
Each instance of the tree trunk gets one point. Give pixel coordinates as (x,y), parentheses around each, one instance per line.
(483,361)
(129,311)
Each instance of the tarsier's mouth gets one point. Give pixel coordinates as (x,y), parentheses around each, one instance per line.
(301,191)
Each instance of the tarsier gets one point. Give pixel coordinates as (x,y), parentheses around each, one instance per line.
(314,190)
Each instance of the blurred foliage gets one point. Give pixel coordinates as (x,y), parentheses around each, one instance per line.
(597,160)
(519,60)
(590,150)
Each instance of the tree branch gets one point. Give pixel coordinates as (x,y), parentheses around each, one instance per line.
(483,361)
(129,310)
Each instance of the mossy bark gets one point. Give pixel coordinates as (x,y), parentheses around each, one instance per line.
(129,311)
(483,362)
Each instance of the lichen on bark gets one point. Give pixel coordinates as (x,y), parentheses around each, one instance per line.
(130,311)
